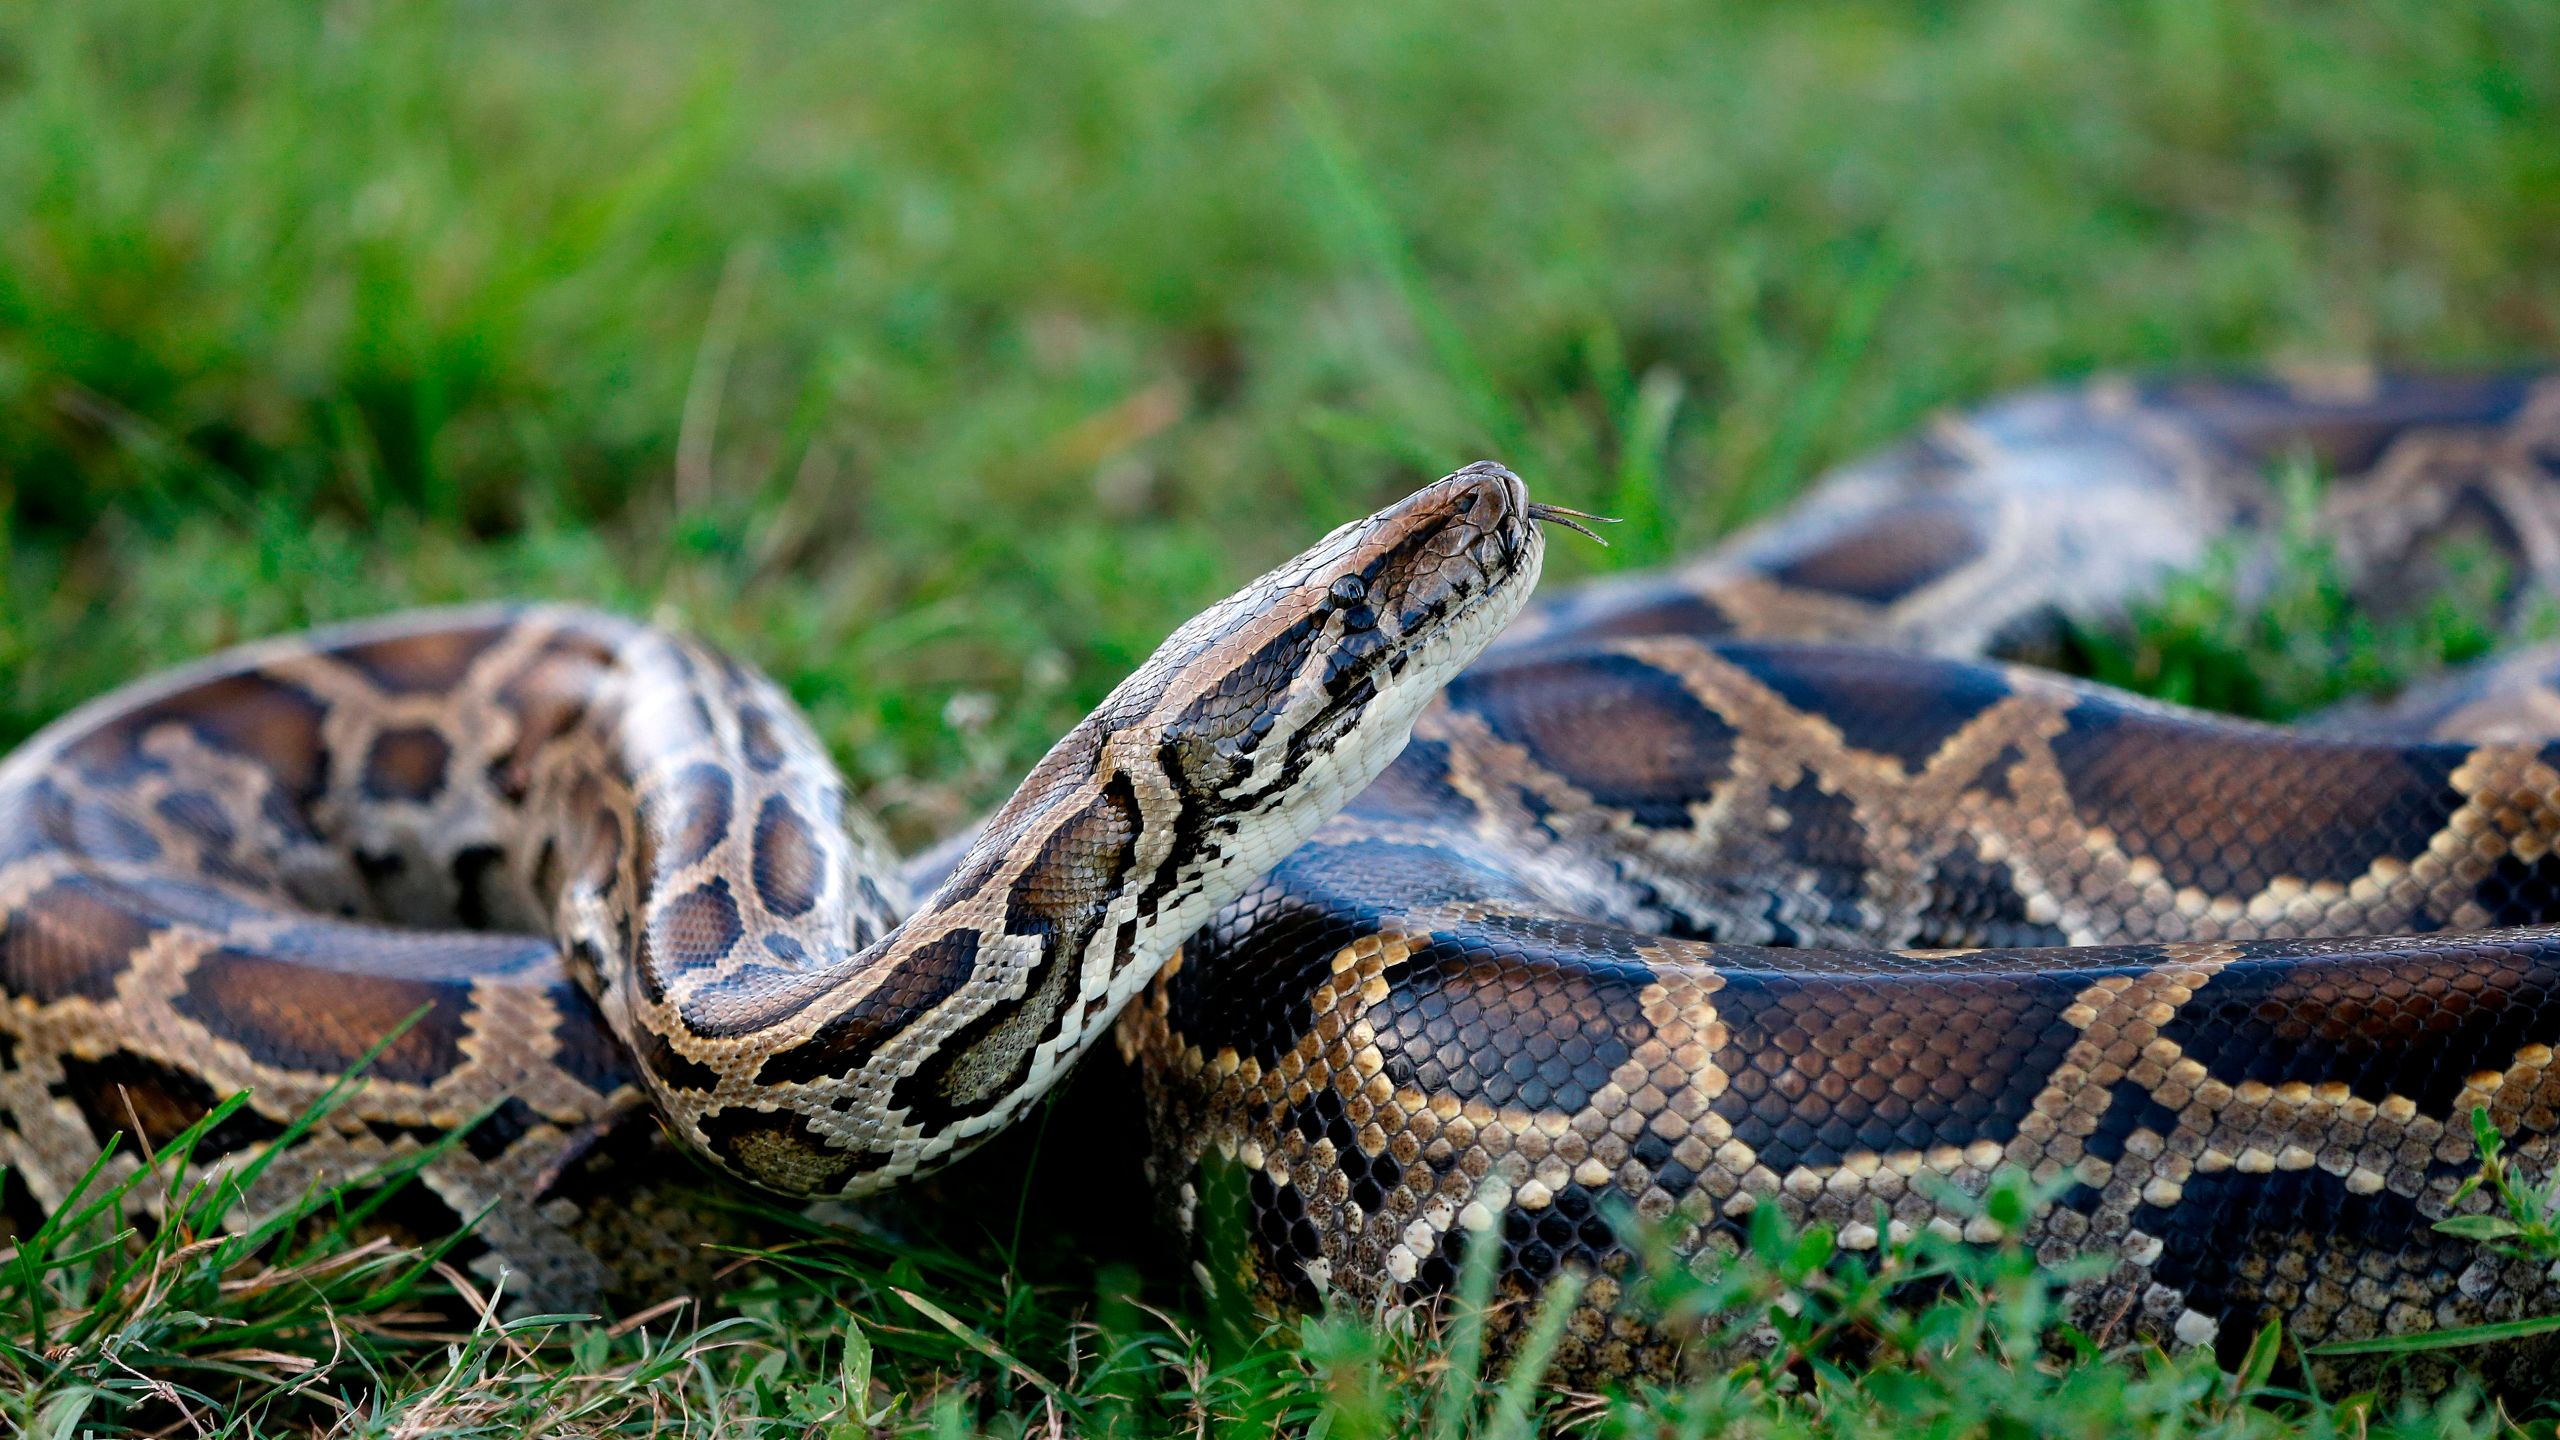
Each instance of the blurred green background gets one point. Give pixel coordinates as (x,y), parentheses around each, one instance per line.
(940,357)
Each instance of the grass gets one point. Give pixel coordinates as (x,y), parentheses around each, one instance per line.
(2294,641)
(292,1325)
(940,357)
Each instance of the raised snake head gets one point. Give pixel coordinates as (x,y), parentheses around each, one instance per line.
(1248,728)
(1285,700)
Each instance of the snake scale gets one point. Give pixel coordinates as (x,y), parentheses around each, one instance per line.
(1772,879)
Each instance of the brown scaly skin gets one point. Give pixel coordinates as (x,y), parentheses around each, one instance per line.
(1609,819)
(1525,974)
(243,875)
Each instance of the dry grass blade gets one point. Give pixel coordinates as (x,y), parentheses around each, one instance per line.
(270,1277)
(982,1345)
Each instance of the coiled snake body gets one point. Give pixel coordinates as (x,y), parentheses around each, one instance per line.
(1699,892)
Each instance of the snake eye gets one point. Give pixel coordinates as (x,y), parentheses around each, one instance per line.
(1349,590)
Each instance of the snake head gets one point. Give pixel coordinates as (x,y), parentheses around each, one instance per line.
(1283,701)
(1246,730)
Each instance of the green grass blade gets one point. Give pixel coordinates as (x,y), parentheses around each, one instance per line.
(2452,1339)
(1528,1368)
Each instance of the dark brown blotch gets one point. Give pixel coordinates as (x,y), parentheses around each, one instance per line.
(484,889)
(779,1149)
(73,938)
(788,861)
(122,1093)
(691,813)
(548,700)
(1891,556)
(1654,610)
(256,716)
(983,1062)
(2226,807)
(406,764)
(427,663)
(1978,903)
(2384,1019)
(198,816)
(696,929)
(1821,1065)
(759,739)
(582,1044)
(1524,1028)
(1084,860)
(2267,420)
(497,1132)
(928,975)
(1902,706)
(297,1015)
(1662,753)
(1229,719)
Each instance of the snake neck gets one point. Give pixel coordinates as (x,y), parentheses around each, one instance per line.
(1074,896)
(743,947)
(802,1041)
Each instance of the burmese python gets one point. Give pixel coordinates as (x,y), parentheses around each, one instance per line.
(1678,900)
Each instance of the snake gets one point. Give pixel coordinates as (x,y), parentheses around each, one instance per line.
(1427,918)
